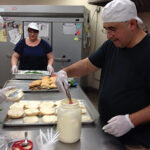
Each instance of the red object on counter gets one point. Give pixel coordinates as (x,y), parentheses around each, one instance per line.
(54,75)
(18,145)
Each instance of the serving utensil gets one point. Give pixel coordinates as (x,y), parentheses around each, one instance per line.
(26,140)
(68,94)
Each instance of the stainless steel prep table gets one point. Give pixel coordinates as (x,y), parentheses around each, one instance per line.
(92,137)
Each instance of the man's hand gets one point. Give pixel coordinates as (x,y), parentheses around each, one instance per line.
(118,125)
(3,91)
(14,69)
(50,69)
(62,80)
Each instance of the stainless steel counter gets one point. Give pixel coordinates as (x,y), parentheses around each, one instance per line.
(92,137)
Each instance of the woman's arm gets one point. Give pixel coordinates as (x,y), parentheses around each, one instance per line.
(14,59)
(50,58)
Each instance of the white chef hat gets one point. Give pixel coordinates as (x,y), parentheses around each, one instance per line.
(120,11)
(34,26)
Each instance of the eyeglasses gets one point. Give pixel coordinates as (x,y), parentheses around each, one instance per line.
(109,30)
(112,29)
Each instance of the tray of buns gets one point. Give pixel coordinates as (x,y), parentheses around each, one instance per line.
(28,113)
(30,74)
(46,83)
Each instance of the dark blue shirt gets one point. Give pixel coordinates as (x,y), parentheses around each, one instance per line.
(125,83)
(33,58)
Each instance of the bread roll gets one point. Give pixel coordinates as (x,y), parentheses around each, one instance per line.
(47,111)
(49,119)
(15,113)
(31,119)
(31,111)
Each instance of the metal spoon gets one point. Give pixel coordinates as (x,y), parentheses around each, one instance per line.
(26,140)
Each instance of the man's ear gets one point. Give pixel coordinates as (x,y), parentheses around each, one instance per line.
(133,24)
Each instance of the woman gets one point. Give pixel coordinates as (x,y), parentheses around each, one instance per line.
(33,53)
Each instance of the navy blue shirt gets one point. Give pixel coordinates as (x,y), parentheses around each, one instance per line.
(125,83)
(33,58)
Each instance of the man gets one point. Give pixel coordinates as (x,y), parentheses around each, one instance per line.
(125,79)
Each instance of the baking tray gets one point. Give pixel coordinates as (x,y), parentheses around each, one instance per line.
(24,85)
(19,122)
(38,74)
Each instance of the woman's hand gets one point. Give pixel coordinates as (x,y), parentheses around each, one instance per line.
(14,69)
(50,69)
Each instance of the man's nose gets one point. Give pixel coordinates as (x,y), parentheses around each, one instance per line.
(109,35)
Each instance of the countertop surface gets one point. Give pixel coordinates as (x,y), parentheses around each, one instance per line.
(92,136)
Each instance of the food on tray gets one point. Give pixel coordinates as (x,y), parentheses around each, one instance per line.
(82,106)
(35,83)
(49,119)
(31,119)
(86,118)
(45,78)
(57,103)
(31,111)
(23,103)
(33,72)
(17,105)
(14,94)
(46,82)
(32,104)
(53,86)
(53,79)
(15,113)
(46,111)
(45,85)
(47,104)
(83,111)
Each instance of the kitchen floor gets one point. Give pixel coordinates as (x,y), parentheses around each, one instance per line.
(93,96)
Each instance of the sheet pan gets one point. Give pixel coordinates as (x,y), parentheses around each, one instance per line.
(19,122)
(24,85)
(24,74)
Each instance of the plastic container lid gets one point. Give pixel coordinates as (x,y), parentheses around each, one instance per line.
(14,95)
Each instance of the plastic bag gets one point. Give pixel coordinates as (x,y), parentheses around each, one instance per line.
(14,95)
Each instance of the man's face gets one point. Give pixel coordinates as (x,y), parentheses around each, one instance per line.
(119,33)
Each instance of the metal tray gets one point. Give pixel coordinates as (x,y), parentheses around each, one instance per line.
(24,85)
(19,122)
(22,74)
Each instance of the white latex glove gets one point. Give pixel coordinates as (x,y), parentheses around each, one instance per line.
(50,69)
(62,79)
(14,69)
(3,91)
(118,125)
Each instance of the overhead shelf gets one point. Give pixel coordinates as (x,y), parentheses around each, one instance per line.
(142,5)
(98,2)
(42,10)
